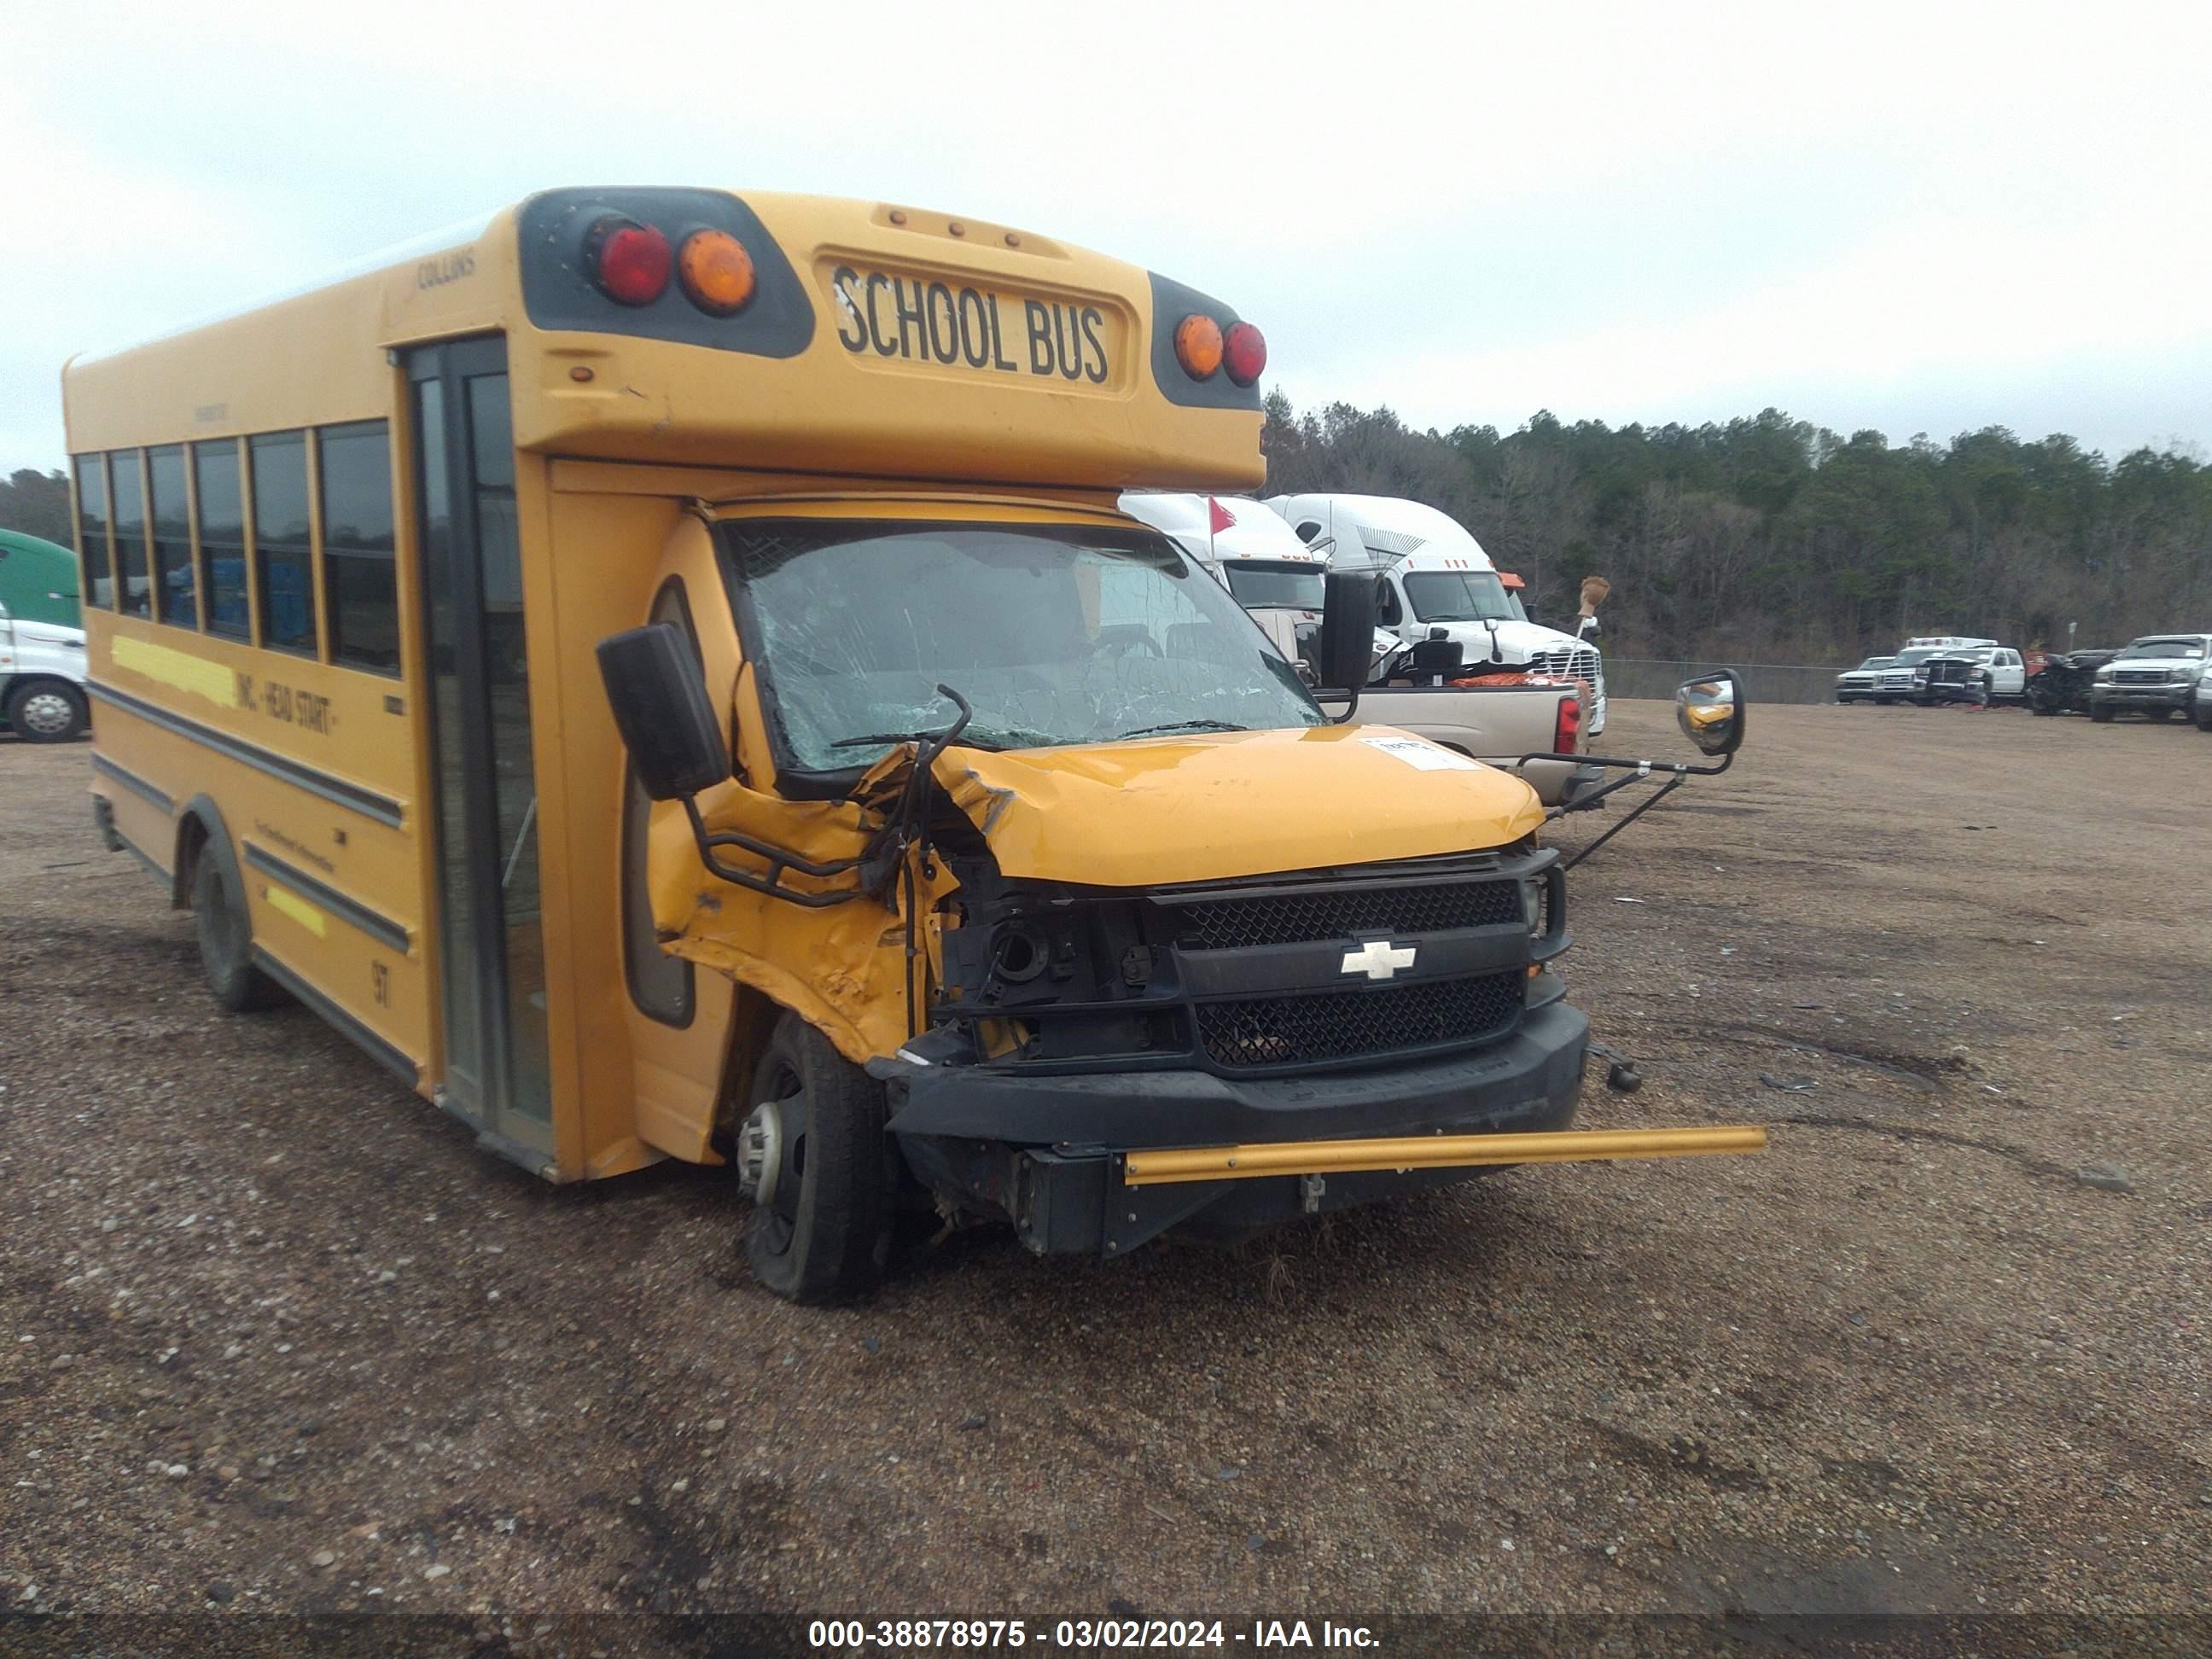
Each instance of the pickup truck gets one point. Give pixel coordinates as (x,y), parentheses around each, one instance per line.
(2156,676)
(1497,724)
(1251,551)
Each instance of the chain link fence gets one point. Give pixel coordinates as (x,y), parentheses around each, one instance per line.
(1763,682)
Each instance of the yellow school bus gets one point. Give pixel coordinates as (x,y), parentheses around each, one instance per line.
(968,849)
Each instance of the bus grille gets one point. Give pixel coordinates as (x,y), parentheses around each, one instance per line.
(1338,1026)
(1342,913)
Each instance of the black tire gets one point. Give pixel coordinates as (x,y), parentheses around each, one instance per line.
(831,1238)
(2038,706)
(226,937)
(1883,702)
(2204,713)
(47,711)
(2161,715)
(2101,714)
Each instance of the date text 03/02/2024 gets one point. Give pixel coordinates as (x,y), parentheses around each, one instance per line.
(1082,1635)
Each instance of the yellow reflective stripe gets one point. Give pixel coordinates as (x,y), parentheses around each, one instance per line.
(181,669)
(290,904)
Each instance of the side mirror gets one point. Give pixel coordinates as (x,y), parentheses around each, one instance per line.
(660,707)
(1345,653)
(1710,710)
(1589,629)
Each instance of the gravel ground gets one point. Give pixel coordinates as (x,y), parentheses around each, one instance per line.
(274,1336)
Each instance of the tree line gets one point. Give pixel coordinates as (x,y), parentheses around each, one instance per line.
(38,504)
(1770,539)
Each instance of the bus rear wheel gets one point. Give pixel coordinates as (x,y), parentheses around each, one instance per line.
(822,1174)
(226,938)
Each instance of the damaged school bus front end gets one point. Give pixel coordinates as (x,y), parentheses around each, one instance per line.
(1040,833)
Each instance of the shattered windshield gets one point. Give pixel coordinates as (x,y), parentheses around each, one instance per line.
(1259,586)
(1054,635)
(1449,596)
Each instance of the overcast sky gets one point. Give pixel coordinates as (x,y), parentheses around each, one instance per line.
(1930,218)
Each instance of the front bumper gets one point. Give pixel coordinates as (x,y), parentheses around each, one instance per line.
(1046,1152)
(2177,694)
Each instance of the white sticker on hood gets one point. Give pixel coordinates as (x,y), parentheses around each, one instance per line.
(1422,755)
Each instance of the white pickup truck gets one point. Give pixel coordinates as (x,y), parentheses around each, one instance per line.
(42,657)
(1278,580)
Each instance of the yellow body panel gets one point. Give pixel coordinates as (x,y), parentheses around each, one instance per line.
(1202,808)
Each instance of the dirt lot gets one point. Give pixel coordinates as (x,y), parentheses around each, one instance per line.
(273,1335)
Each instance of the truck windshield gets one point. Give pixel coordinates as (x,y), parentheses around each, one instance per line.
(1054,633)
(2185,649)
(1449,596)
(1261,586)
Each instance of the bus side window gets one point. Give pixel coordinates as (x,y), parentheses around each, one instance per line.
(130,491)
(659,984)
(1389,613)
(91,530)
(220,507)
(282,542)
(176,600)
(359,588)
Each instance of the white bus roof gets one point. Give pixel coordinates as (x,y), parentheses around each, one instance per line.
(1253,532)
(1382,530)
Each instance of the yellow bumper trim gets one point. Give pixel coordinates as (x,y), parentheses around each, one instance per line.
(1427,1152)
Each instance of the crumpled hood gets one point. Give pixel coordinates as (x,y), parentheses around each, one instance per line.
(1216,806)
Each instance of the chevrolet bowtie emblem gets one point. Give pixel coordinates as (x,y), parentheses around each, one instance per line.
(1378,958)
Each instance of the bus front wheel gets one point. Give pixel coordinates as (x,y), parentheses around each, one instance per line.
(822,1174)
(226,938)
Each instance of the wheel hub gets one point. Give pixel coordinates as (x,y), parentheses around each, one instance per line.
(46,711)
(760,1154)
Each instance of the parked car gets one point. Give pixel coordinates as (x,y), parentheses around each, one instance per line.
(1981,674)
(2060,683)
(2156,677)
(1901,681)
(1857,684)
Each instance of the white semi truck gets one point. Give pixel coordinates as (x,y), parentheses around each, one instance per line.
(1437,577)
(1279,581)
(42,658)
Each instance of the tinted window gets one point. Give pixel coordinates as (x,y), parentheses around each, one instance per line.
(177,597)
(92,529)
(282,551)
(222,537)
(358,584)
(130,530)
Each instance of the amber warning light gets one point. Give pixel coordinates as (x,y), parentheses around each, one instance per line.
(716,271)
(1204,351)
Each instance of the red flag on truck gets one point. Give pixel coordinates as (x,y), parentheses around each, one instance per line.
(1219,517)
